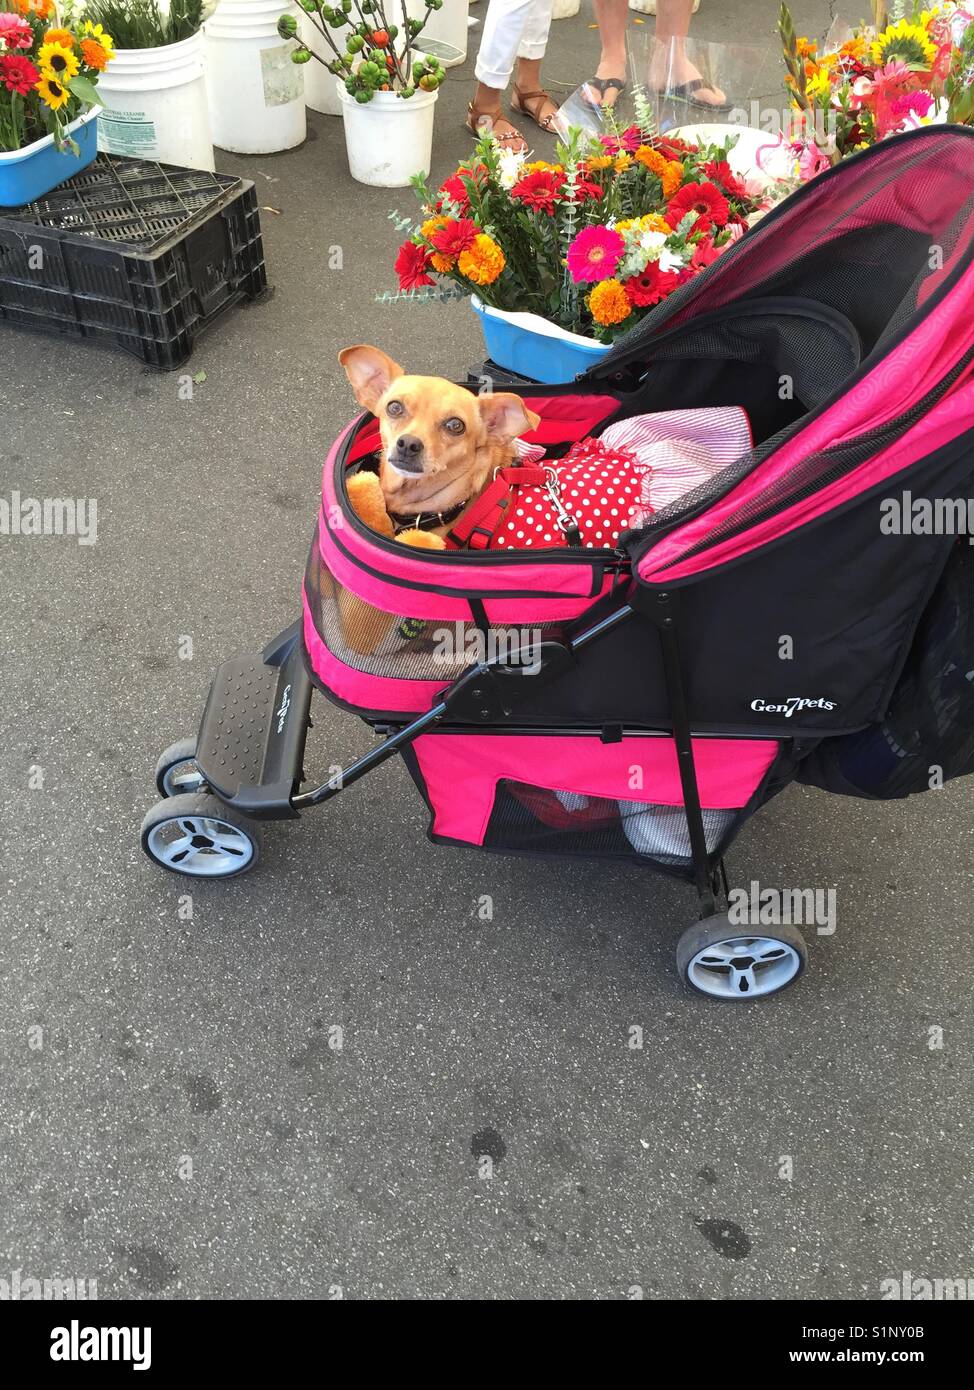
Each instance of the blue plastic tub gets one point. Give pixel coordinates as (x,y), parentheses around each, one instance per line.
(26,175)
(534,348)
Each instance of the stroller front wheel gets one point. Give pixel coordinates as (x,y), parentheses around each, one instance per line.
(199,836)
(719,959)
(176,770)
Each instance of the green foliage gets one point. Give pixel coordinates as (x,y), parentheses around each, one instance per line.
(141,24)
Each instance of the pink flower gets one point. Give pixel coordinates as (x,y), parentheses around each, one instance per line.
(912,104)
(811,161)
(628,142)
(594,254)
(15,32)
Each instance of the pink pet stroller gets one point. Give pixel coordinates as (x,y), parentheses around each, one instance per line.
(787,619)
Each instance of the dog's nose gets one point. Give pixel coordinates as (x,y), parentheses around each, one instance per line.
(409,452)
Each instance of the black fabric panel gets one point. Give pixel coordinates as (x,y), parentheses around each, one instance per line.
(927,736)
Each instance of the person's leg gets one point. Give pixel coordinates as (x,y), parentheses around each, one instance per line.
(612,17)
(504,28)
(670,67)
(529,95)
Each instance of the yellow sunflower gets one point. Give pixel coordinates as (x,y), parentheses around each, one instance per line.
(96,32)
(51,93)
(905,43)
(819,86)
(54,60)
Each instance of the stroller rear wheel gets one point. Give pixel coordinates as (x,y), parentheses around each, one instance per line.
(199,836)
(176,770)
(720,959)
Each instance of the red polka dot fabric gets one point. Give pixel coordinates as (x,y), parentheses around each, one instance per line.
(602,489)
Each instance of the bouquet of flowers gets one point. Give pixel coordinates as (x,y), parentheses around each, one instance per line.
(591,242)
(48,73)
(913,68)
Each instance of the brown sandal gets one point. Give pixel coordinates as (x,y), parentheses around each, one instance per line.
(546,123)
(479,123)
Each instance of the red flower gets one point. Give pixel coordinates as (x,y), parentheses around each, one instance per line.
(702,198)
(412,265)
(673,148)
(650,285)
(585,188)
(455,189)
(725,178)
(18,73)
(704,254)
(455,236)
(539,190)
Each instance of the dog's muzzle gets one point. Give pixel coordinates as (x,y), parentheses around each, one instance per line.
(407,455)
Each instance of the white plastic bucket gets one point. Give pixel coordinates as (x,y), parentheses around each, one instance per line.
(445,35)
(390,138)
(256,93)
(155,105)
(319,83)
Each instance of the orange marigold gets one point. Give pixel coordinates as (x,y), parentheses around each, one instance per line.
(43,9)
(62,36)
(668,171)
(483,261)
(442,263)
(608,303)
(94,55)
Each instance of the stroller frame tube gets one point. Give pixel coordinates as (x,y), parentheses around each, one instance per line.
(483,692)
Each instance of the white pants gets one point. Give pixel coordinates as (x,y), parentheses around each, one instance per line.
(513,29)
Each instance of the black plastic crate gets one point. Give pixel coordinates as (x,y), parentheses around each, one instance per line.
(138,254)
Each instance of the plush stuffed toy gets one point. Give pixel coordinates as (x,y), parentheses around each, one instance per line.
(368,504)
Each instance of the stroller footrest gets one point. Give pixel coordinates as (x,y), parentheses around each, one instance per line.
(251,741)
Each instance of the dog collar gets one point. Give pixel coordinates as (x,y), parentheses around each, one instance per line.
(425,521)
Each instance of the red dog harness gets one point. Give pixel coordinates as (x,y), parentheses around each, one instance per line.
(586,499)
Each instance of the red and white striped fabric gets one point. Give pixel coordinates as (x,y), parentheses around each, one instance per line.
(684,448)
(633,469)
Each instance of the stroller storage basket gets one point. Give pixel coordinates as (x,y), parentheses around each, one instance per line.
(578,795)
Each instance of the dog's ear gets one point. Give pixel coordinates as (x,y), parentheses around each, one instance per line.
(505,415)
(370,371)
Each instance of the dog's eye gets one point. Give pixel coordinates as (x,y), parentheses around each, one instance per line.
(395,409)
(454,425)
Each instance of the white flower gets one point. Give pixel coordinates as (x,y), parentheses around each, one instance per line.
(510,164)
(652,243)
(670,260)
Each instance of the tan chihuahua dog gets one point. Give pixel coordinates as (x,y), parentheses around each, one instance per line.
(440,446)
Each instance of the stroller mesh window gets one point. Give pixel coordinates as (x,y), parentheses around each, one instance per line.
(526,817)
(400,646)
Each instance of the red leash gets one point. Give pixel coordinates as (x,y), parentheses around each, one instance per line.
(476,527)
